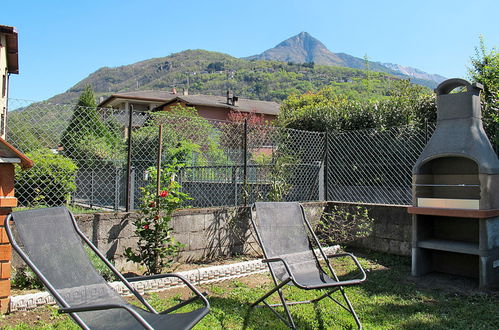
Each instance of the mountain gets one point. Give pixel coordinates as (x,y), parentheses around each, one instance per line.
(296,65)
(303,48)
(413,72)
(212,73)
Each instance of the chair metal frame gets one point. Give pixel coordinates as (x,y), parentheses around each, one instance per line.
(291,279)
(66,308)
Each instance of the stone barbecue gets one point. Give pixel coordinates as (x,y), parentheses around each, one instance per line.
(456,192)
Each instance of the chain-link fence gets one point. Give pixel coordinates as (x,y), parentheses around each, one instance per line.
(100,158)
(374,166)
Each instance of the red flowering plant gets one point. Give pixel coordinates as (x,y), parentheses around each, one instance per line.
(156,247)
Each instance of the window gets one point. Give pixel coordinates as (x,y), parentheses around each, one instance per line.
(4,85)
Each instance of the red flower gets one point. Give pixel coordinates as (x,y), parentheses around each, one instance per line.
(156,217)
(164,193)
(152,204)
(146,226)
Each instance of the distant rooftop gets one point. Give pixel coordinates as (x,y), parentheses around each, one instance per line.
(167,97)
(149,96)
(244,105)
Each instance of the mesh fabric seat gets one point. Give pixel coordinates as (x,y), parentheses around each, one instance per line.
(52,247)
(288,242)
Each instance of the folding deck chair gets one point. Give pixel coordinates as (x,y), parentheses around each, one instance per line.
(52,247)
(281,229)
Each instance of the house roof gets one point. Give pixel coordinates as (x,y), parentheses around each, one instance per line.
(9,154)
(146,96)
(167,97)
(12,48)
(244,105)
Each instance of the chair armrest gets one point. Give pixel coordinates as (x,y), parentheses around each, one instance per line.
(183,279)
(286,266)
(359,267)
(89,308)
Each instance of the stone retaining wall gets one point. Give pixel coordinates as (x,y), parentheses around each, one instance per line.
(392,228)
(207,233)
(221,232)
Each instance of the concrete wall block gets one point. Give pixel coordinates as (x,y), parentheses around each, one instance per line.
(406,233)
(198,240)
(379,228)
(251,237)
(381,244)
(313,212)
(219,219)
(405,248)
(182,238)
(190,223)
(394,246)
(390,231)
(252,249)
(85,223)
(114,225)
(115,249)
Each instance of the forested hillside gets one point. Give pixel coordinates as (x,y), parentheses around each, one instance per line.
(204,72)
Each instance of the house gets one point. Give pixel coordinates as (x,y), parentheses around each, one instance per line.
(9,63)
(208,106)
(219,107)
(138,100)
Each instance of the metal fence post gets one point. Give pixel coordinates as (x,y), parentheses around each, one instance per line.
(158,164)
(245,162)
(234,181)
(132,189)
(325,164)
(91,187)
(117,177)
(129,161)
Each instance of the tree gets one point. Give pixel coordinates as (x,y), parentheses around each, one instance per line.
(87,137)
(485,70)
(187,136)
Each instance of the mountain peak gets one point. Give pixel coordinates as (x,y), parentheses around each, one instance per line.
(303,40)
(301,48)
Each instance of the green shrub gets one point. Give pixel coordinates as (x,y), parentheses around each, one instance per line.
(25,278)
(343,224)
(100,266)
(49,182)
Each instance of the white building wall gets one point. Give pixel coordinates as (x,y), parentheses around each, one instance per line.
(4,81)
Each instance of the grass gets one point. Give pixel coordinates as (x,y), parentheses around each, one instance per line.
(72,208)
(389,299)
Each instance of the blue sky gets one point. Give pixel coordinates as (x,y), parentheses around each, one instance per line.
(62,42)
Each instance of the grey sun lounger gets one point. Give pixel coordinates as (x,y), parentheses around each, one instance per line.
(288,242)
(52,246)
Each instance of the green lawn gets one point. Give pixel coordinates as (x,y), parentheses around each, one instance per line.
(389,299)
